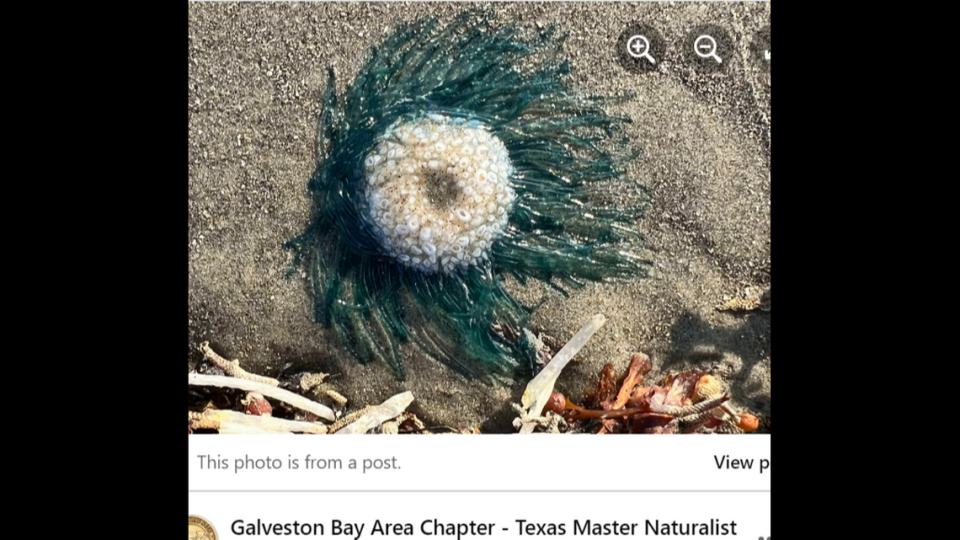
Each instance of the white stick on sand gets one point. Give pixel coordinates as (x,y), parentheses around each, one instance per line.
(237,422)
(388,410)
(540,387)
(285,396)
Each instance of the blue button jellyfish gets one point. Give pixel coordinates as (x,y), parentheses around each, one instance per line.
(459,155)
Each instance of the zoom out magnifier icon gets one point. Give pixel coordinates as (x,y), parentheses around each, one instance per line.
(639,47)
(706,47)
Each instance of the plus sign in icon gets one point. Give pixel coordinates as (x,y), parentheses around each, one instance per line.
(641,48)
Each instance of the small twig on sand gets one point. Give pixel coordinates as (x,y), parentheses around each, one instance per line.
(349,419)
(280,394)
(232,368)
(337,397)
(309,381)
(680,412)
(238,422)
(388,410)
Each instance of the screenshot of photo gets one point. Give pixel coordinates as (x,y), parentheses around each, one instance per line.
(517,252)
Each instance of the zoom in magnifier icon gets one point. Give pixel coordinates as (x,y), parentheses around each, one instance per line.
(706,47)
(639,47)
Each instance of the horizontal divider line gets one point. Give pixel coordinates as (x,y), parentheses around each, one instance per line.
(479,491)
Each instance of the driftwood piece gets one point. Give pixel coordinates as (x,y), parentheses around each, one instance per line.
(279,394)
(238,422)
(232,368)
(379,414)
(348,419)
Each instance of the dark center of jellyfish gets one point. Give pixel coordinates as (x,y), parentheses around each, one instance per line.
(441,188)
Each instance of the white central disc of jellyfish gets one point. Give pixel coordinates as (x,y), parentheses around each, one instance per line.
(438,192)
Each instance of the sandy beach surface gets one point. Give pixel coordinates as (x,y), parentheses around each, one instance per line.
(256,72)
